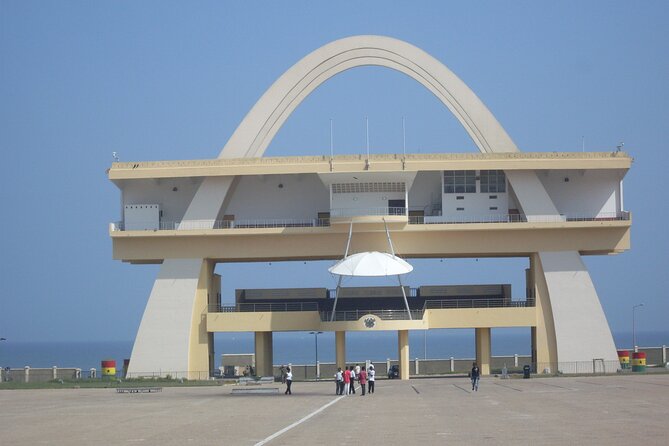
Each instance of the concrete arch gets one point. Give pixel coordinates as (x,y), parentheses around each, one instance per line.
(264,120)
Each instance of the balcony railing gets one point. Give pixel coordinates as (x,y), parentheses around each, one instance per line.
(325,222)
(516,218)
(445,304)
(257,307)
(386,315)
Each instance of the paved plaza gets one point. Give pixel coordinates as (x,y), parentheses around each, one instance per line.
(577,410)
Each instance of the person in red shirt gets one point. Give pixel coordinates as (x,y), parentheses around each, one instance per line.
(362,377)
(347,380)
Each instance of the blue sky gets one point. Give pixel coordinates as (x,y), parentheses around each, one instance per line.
(171,80)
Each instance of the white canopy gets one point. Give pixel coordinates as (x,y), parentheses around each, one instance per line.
(368,264)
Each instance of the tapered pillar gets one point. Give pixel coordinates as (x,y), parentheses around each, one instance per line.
(483,350)
(172,337)
(340,348)
(403,352)
(264,353)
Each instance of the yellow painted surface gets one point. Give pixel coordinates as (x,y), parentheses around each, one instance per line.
(481,317)
(325,243)
(340,348)
(544,340)
(310,320)
(201,348)
(483,350)
(264,353)
(378,163)
(403,353)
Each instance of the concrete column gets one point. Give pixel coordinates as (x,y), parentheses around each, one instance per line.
(264,353)
(483,350)
(664,354)
(417,372)
(26,374)
(515,360)
(403,352)
(340,348)
(54,372)
(452,364)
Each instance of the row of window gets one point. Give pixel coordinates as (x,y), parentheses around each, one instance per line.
(464,181)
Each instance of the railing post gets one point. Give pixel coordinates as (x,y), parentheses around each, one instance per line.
(26,374)
(515,360)
(417,368)
(452,364)
(54,372)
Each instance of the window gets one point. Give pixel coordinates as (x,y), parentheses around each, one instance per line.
(493,181)
(459,181)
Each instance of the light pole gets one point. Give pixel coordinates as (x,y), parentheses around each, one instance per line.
(316,333)
(1,339)
(634,325)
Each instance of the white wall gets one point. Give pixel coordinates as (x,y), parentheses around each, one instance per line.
(587,193)
(425,191)
(172,203)
(259,197)
(365,200)
(476,204)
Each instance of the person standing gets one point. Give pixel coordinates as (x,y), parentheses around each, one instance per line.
(347,381)
(475,375)
(362,377)
(351,389)
(283,374)
(371,373)
(339,380)
(289,381)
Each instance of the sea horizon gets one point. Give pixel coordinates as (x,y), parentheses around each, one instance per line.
(300,347)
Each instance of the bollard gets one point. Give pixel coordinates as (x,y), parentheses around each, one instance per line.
(639,362)
(515,360)
(55,372)
(26,374)
(452,364)
(624,358)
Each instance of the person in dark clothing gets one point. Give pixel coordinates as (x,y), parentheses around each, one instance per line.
(475,375)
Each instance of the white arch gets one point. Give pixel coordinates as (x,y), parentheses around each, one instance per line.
(258,128)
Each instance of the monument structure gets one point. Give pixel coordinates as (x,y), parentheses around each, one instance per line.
(550,208)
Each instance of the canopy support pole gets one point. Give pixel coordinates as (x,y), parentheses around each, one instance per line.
(404,294)
(334,307)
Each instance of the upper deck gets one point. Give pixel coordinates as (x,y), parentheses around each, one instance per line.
(437,205)
(375,163)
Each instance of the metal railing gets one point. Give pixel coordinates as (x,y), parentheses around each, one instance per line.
(516,218)
(414,220)
(253,307)
(386,315)
(444,304)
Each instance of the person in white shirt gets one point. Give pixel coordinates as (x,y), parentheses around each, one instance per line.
(371,373)
(339,382)
(289,381)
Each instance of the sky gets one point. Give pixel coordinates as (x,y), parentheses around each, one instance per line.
(171,80)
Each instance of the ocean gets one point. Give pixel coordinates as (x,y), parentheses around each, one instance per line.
(300,347)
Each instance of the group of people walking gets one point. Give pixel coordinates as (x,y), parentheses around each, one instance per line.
(345,380)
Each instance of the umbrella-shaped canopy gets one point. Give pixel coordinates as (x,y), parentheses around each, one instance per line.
(371,264)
